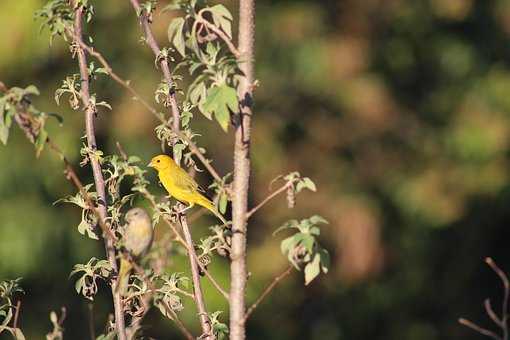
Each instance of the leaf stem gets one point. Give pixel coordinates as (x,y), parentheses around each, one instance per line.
(268,290)
(268,198)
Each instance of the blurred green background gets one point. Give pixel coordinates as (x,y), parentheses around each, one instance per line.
(400,112)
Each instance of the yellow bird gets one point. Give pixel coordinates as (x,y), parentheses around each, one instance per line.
(137,238)
(181,185)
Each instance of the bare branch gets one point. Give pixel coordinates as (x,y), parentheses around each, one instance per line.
(96,167)
(163,62)
(501,321)
(479,329)
(491,313)
(506,287)
(268,290)
(268,198)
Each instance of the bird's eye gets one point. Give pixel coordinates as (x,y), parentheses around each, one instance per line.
(157,161)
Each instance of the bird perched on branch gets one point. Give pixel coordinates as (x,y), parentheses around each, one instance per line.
(137,239)
(181,185)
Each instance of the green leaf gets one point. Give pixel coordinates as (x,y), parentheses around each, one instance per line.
(316,219)
(325,260)
(171,7)
(31,89)
(40,142)
(306,183)
(287,225)
(288,244)
(308,241)
(58,117)
(198,95)
(222,18)
(223,203)
(85,228)
(178,148)
(18,334)
(221,10)
(219,100)
(312,269)
(176,35)
(315,231)
(134,159)
(5,124)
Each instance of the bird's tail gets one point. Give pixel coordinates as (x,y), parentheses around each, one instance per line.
(204,202)
(123,280)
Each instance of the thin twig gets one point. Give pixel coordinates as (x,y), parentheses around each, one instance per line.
(200,265)
(218,32)
(16,314)
(506,287)
(479,329)
(268,290)
(267,199)
(96,167)
(501,321)
(195,276)
(180,325)
(169,310)
(491,313)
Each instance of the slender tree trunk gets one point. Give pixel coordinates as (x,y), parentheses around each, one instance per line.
(241,171)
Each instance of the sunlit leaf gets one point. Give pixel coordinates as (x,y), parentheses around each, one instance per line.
(219,100)
(176,35)
(312,269)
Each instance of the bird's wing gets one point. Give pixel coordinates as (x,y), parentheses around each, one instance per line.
(185,182)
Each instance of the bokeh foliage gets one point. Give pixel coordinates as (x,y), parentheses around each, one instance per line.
(397,109)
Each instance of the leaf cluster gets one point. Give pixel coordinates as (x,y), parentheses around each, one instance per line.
(8,289)
(90,272)
(303,248)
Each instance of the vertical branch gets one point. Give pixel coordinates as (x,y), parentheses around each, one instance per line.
(195,273)
(96,167)
(241,171)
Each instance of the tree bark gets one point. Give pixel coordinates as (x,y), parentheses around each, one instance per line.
(242,123)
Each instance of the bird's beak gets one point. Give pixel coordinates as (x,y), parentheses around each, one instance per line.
(150,165)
